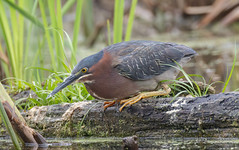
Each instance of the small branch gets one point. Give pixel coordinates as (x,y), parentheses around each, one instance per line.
(27,134)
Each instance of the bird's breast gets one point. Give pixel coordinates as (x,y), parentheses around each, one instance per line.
(111,86)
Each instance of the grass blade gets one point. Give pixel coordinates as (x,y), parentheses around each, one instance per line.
(116,24)
(55,15)
(8,38)
(131,20)
(47,34)
(28,39)
(76,28)
(25,14)
(8,125)
(118,20)
(5,97)
(177,95)
(67,6)
(108,30)
(230,75)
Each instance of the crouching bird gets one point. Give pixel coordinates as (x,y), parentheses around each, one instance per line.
(129,71)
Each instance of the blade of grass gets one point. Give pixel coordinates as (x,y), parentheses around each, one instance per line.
(210,85)
(198,90)
(193,88)
(230,75)
(25,14)
(17,26)
(192,75)
(55,15)
(21,39)
(5,63)
(15,30)
(5,97)
(177,95)
(47,34)
(116,24)
(51,8)
(118,20)
(67,6)
(121,18)
(38,59)
(179,67)
(8,125)
(49,70)
(71,48)
(130,20)
(185,86)
(60,29)
(108,30)
(29,34)
(8,38)
(76,29)
(61,58)
(81,123)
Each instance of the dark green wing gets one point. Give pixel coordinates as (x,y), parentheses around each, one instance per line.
(142,60)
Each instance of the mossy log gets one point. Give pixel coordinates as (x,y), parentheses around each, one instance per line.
(215,115)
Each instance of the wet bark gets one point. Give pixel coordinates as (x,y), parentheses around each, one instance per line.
(215,115)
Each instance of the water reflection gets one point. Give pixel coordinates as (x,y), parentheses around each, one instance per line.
(144,143)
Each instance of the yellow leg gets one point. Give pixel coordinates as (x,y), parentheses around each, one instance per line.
(166,90)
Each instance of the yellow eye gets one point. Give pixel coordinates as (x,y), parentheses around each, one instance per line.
(84,70)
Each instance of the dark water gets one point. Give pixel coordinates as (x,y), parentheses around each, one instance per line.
(144,143)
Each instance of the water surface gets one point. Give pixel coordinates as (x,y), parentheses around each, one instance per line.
(113,143)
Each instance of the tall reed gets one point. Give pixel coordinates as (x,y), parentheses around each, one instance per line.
(18,29)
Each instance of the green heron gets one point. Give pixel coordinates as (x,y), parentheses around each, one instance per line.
(129,71)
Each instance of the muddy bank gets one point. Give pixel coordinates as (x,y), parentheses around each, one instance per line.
(209,116)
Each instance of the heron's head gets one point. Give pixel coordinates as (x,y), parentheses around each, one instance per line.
(81,72)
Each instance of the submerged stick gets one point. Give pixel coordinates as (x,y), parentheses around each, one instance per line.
(27,135)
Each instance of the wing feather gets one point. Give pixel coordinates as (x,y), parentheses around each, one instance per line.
(142,60)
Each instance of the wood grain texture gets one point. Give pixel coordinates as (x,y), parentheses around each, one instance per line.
(211,116)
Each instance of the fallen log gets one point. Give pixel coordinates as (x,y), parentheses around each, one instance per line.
(213,115)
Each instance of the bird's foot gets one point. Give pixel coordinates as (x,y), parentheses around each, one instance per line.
(166,90)
(108,104)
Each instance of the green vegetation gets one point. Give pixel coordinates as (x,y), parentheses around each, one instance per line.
(19,30)
(118,21)
(32,58)
(29,55)
(70,94)
(232,69)
(5,97)
(36,45)
(130,21)
(8,125)
(187,85)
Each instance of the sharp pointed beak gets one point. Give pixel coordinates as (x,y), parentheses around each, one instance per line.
(64,84)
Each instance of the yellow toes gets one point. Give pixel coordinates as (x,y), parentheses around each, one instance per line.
(166,90)
(108,104)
